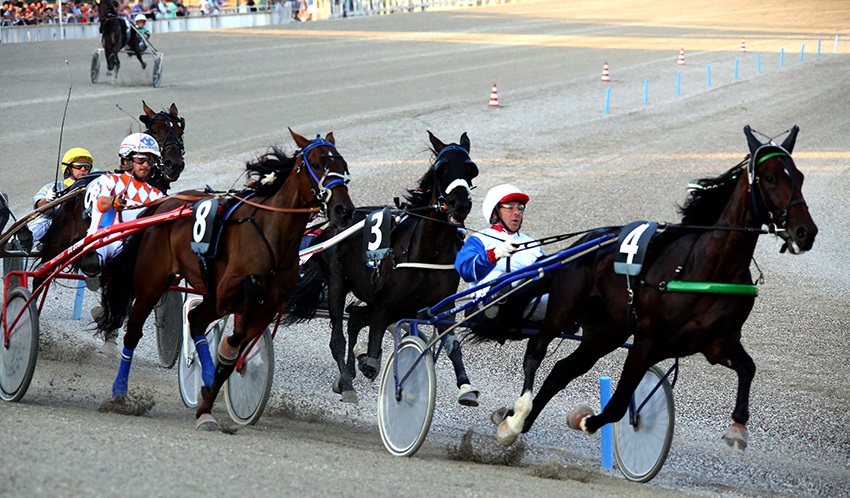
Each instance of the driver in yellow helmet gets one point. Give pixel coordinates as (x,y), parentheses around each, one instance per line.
(76,163)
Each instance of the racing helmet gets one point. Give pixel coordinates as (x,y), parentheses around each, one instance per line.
(138,143)
(75,155)
(499,194)
(140,17)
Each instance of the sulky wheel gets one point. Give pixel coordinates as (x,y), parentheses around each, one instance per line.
(189,371)
(95,66)
(157,70)
(169,323)
(404,419)
(247,389)
(17,360)
(641,448)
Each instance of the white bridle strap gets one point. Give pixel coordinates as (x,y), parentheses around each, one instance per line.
(459,182)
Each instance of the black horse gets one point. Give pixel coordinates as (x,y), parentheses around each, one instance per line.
(397,286)
(71,221)
(721,223)
(116,34)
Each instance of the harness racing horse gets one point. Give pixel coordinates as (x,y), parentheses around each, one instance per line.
(417,272)
(250,270)
(116,34)
(71,219)
(721,223)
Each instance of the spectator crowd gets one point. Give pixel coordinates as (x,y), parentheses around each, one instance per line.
(21,13)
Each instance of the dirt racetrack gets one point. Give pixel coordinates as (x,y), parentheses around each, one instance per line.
(379,83)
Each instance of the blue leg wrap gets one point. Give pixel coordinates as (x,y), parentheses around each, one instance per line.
(207,365)
(119,387)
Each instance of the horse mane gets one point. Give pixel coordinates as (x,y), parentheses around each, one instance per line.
(269,171)
(706,202)
(421,195)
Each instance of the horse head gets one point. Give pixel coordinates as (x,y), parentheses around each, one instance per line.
(453,173)
(167,128)
(776,192)
(327,179)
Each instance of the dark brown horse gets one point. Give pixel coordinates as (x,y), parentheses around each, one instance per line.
(71,219)
(255,265)
(116,33)
(721,224)
(418,271)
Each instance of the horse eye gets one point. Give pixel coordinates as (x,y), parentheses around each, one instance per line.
(769,178)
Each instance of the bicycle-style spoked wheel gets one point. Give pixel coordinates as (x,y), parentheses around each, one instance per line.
(404,419)
(247,389)
(641,449)
(17,361)
(189,370)
(169,324)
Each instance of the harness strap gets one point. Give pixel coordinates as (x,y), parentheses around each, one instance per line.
(275,209)
(426,266)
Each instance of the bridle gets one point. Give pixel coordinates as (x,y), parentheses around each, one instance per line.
(171,140)
(441,205)
(775,223)
(322,188)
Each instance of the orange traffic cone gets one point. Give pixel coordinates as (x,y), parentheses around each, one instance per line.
(681,57)
(605,72)
(494,97)
(743,47)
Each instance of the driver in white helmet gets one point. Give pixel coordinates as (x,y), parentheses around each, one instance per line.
(141,21)
(119,197)
(491,252)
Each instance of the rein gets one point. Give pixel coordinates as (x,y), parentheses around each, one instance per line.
(257,205)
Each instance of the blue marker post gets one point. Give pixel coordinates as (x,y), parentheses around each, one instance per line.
(758,63)
(607,99)
(782,57)
(607,429)
(78,300)
(736,69)
(818,48)
(802,50)
(678,82)
(708,74)
(646,91)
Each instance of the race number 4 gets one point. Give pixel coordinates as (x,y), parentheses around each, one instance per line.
(376,242)
(634,239)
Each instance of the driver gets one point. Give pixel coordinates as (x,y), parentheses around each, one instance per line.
(119,197)
(490,253)
(140,21)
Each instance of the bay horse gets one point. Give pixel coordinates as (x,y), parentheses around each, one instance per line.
(116,34)
(71,219)
(715,242)
(253,270)
(395,288)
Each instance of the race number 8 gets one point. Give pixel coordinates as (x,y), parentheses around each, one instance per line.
(200,226)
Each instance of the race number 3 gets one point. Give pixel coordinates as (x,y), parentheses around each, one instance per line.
(376,242)
(634,239)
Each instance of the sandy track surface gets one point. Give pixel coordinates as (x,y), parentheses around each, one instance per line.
(379,83)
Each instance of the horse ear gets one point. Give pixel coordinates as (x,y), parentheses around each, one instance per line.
(145,118)
(752,141)
(173,109)
(299,140)
(464,141)
(330,138)
(435,142)
(791,139)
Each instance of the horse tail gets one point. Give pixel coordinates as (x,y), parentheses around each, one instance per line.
(305,298)
(118,293)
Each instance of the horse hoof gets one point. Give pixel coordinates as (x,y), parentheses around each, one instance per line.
(144,66)
(206,422)
(504,435)
(577,415)
(736,437)
(360,349)
(468,396)
(349,396)
(498,416)
(335,386)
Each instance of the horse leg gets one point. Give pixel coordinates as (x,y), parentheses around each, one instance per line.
(468,396)
(735,357)
(228,353)
(370,364)
(637,363)
(358,317)
(138,314)
(139,56)
(343,384)
(199,319)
